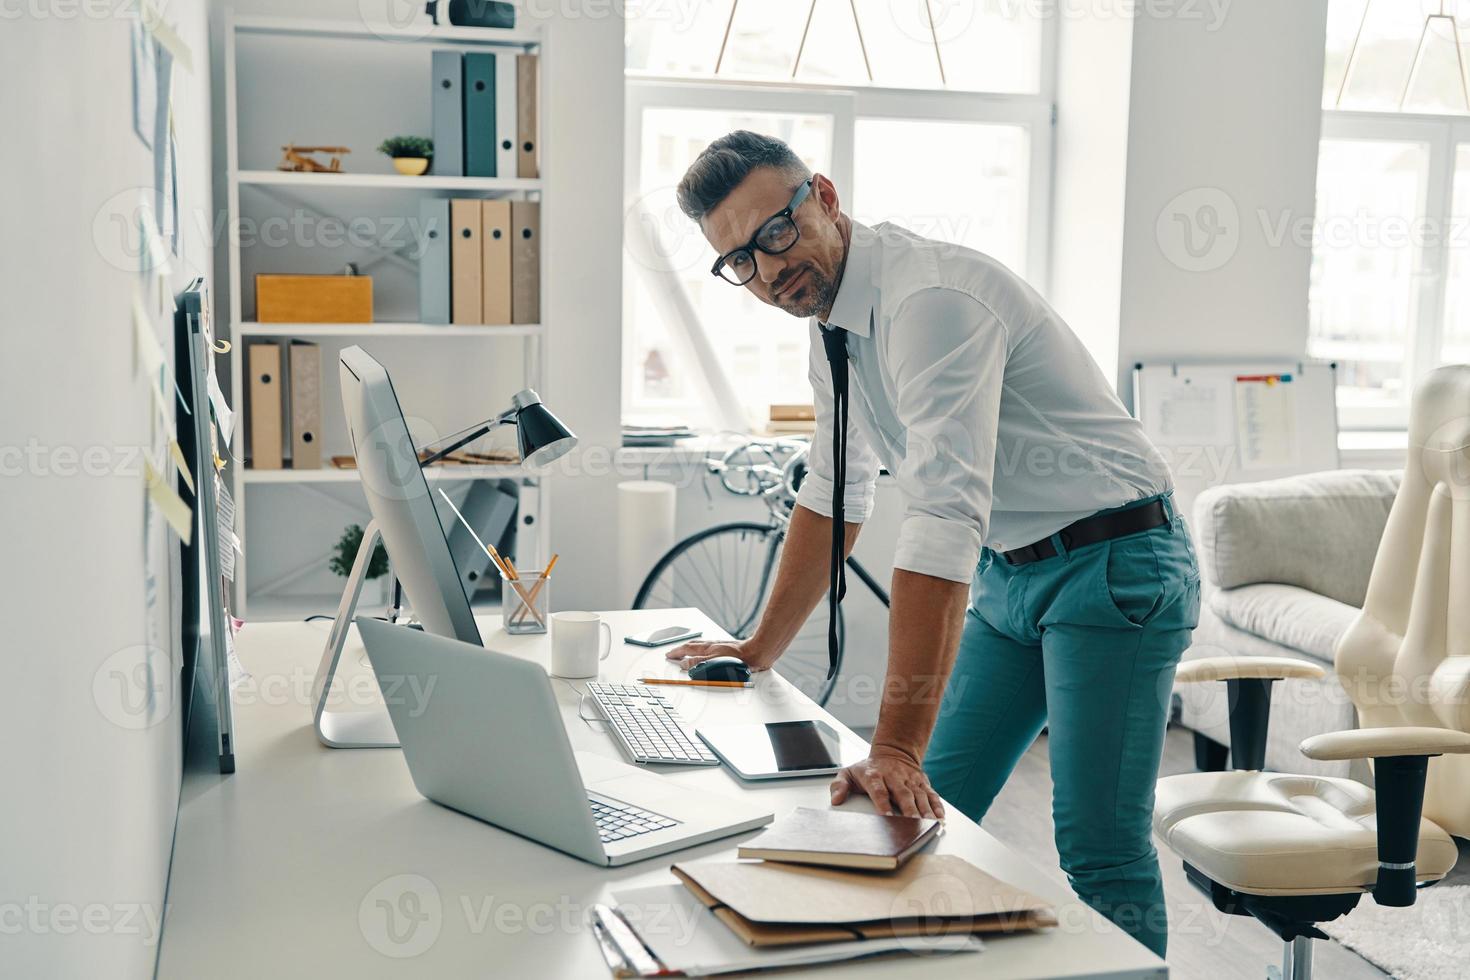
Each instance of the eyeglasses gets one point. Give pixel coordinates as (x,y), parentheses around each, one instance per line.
(775,235)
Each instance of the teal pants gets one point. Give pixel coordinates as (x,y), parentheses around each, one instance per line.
(1085,645)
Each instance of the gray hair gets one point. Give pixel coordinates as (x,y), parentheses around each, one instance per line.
(727,161)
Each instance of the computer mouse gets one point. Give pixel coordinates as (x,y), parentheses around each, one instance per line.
(721,669)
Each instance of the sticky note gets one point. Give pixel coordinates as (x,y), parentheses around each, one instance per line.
(178,514)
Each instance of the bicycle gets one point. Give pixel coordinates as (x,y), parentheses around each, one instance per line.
(727,570)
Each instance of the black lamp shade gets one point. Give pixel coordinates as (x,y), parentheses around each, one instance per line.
(541,435)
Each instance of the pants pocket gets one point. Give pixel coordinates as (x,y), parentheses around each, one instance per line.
(1133,584)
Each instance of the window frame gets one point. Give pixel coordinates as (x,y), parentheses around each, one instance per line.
(1443,135)
(1035,112)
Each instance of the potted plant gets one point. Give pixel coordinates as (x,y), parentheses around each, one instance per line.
(345,553)
(411,154)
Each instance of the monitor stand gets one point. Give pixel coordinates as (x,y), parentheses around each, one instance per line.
(362,728)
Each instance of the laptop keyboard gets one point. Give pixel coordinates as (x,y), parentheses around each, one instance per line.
(619,821)
(648,727)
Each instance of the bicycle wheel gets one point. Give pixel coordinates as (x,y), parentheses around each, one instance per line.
(727,572)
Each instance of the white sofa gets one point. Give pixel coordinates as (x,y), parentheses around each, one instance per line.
(1284,566)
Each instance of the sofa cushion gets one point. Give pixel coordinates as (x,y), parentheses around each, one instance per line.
(1286,615)
(1319,531)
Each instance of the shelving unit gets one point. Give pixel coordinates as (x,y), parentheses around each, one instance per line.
(421,349)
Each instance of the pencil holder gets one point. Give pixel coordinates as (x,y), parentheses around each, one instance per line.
(524,602)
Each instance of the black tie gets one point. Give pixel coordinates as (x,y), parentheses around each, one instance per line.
(834,339)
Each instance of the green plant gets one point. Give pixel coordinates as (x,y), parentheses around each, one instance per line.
(345,553)
(407,146)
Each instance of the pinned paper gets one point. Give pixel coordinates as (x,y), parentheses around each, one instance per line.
(228,542)
(177,455)
(170,504)
(223,413)
(151,362)
(165,35)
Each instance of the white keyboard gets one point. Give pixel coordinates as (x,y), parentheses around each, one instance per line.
(647,726)
(619,821)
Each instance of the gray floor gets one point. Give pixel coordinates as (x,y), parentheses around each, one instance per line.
(1203,943)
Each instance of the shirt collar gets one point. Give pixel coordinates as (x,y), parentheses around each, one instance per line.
(857,296)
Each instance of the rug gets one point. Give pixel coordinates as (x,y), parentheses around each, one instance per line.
(1429,941)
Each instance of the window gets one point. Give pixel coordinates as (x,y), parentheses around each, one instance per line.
(1389,299)
(930,114)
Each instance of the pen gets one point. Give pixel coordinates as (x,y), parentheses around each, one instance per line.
(680,681)
(536,589)
(495,557)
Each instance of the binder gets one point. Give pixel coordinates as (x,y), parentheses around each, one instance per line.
(434,260)
(465,261)
(306,405)
(264,360)
(479,115)
(495,228)
(527,75)
(448,113)
(525,262)
(505,115)
(489,508)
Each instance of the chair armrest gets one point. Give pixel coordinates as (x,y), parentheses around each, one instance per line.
(1246,668)
(1401,764)
(1384,743)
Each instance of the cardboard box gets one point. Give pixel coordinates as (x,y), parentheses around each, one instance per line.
(313,299)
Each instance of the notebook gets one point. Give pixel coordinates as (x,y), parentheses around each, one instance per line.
(686,938)
(767,903)
(842,839)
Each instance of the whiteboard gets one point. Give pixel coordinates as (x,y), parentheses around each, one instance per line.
(1238,422)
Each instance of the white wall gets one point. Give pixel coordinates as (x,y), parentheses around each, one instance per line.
(1223,123)
(90,776)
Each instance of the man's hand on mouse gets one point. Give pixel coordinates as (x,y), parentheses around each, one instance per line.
(698,651)
(893,780)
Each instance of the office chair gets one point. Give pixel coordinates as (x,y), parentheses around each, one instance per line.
(1292,850)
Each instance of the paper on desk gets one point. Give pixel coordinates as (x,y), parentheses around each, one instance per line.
(687,937)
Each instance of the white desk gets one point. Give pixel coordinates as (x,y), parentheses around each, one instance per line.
(272,864)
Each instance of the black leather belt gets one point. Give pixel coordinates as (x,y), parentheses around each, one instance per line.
(1091,530)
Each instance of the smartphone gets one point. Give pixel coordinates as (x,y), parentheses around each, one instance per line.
(663,636)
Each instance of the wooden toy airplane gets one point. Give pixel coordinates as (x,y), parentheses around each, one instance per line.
(295,159)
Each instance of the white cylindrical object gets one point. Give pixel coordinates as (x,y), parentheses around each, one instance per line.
(645,531)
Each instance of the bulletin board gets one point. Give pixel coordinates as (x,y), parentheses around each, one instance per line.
(1238,422)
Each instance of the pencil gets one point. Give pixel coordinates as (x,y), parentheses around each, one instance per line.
(536,589)
(685,683)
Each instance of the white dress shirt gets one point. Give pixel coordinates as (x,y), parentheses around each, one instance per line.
(996,422)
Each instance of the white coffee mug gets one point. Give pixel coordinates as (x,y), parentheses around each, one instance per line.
(576,646)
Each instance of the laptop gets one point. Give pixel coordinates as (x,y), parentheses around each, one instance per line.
(482,734)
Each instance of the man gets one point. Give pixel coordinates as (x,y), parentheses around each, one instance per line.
(1023,479)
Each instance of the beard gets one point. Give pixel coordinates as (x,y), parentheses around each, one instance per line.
(811,298)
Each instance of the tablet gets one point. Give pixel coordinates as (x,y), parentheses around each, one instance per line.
(783,749)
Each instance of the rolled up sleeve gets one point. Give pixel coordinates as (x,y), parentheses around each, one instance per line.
(947,355)
(819,486)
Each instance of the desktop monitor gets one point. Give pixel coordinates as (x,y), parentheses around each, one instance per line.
(400,501)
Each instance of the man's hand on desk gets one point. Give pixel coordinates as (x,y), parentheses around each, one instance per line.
(697,651)
(893,780)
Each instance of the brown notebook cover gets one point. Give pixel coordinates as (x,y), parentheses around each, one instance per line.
(773,904)
(842,838)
